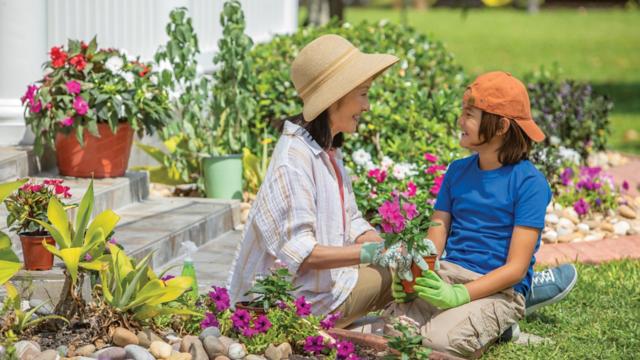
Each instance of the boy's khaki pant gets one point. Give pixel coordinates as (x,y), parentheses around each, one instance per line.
(372,292)
(465,330)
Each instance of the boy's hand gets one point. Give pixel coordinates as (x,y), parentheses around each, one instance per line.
(432,289)
(397,291)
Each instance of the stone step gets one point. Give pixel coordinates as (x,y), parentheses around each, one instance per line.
(159,225)
(21,161)
(213,260)
(111,193)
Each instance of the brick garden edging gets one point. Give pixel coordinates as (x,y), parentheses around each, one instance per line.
(590,252)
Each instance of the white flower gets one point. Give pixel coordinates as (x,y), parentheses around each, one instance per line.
(401,171)
(128,77)
(386,163)
(554,140)
(361,157)
(369,165)
(114,64)
(153,79)
(569,155)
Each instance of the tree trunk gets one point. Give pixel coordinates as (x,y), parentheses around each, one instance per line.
(319,12)
(336,9)
(533,6)
(71,300)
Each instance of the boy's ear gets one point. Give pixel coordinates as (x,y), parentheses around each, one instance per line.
(504,126)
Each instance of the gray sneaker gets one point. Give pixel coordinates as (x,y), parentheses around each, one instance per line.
(550,286)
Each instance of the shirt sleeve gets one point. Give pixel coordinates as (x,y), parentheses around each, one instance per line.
(287,216)
(443,201)
(532,199)
(358,224)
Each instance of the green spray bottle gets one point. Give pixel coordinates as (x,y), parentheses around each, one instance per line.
(187,268)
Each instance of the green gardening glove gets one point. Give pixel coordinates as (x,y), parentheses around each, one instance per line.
(432,289)
(397,291)
(369,251)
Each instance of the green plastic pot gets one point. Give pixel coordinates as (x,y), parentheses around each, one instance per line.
(223,176)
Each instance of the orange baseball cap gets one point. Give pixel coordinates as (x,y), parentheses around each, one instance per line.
(499,93)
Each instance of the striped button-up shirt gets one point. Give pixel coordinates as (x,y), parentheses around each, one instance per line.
(297,207)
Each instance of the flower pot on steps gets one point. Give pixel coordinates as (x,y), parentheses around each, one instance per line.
(35,256)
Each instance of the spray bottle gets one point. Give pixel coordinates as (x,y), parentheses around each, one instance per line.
(188,269)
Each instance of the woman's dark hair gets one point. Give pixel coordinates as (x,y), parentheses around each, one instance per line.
(516,145)
(318,128)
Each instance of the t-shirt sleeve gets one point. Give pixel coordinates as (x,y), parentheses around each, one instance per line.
(532,199)
(443,201)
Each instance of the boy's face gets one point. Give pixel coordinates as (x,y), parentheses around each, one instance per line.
(469,123)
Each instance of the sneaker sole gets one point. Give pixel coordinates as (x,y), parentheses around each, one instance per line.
(530,310)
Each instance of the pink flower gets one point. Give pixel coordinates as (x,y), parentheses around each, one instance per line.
(209,321)
(249,332)
(430,157)
(437,183)
(262,323)
(330,320)
(625,185)
(379,175)
(67,122)
(282,305)
(29,94)
(411,190)
(62,190)
(220,296)
(581,207)
(344,349)
(35,108)
(80,105)
(435,168)
(392,219)
(410,210)
(303,308)
(240,319)
(314,344)
(73,87)
(88,257)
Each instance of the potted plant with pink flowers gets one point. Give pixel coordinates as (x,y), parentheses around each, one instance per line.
(26,205)
(88,106)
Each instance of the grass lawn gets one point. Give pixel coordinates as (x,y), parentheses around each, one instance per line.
(597,320)
(597,45)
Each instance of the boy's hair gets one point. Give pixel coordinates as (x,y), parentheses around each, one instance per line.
(516,145)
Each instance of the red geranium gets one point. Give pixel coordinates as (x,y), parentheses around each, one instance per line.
(58,57)
(79,62)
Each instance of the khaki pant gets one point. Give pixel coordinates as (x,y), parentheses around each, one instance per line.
(372,292)
(465,330)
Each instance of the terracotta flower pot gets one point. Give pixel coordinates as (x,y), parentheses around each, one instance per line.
(252,309)
(416,272)
(106,156)
(36,257)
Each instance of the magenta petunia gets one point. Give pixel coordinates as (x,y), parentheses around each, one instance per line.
(220,296)
(412,189)
(330,320)
(80,105)
(240,319)
(73,87)
(581,207)
(262,323)
(29,94)
(378,174)
(314,344)
(410,210)
(209,321)
(430,157)
(303,308)
(36,107)
(249,332)
(344,349)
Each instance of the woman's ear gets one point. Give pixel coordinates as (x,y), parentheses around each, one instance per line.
(504,126)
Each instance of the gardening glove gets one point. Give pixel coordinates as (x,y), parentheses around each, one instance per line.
(397,291)
(432,289)
(395,257)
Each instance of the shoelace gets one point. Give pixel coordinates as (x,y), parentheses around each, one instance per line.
(543,277)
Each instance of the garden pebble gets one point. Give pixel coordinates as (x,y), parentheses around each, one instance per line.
(563,231)
(160,349)
(583,228)
(621,228)
(124,337)
(285,350)
(254,357)
(48,355)
(26,350)
(63,350)
(214,346)
(594,237)
(627,212)
(210,331)
(570,237)
(606,226)
(221,357)
(113,353)
(146,337)
(571,214)
(179,356)
(227,341)
(172,339)
(137,352)
(236,351)
(187,341)
(551,219)
(85,350)
(197,351)
(550,236)
(273,353)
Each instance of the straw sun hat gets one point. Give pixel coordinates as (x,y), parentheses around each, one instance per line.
(330,67)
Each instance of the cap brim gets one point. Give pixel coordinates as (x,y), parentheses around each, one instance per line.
(531,129)
(361,68)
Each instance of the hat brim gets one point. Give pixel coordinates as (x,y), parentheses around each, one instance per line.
(531,129)
(359,69)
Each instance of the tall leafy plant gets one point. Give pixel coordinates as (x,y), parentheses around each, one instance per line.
(9,262)
(233,104)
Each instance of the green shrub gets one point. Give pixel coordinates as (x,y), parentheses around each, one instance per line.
(420,95)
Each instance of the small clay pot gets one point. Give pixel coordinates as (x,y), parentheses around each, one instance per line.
(36,257)
(252,309)
(416,272)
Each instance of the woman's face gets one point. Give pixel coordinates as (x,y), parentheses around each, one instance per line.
(345,113)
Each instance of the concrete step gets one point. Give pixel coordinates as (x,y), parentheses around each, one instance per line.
(213,260)
(21,161)
(160,225)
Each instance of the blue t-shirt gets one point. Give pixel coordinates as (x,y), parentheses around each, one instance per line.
(484,208)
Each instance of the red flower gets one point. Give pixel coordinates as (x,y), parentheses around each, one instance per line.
(83,45)
(79,62)
(58,57)
(144,71)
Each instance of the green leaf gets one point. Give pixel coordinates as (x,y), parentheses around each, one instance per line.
(83,215)
(70,257)
(8,269)
(7,188)
(58,218)
(106,221)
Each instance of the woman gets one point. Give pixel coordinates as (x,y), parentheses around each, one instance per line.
(305,214)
